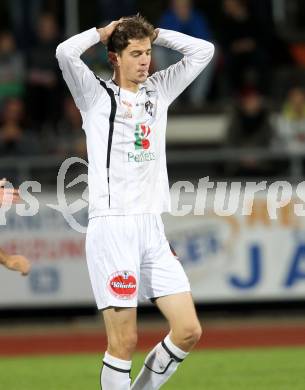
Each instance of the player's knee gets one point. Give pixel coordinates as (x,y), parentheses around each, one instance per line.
(129,341)
(189,334)
(192,333)
(123,345)
(196,333)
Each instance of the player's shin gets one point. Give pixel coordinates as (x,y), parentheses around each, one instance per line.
(115,374)
(159,366)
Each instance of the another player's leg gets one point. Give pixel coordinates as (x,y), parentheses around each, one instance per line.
(121,331)
(8,196)
(185,331)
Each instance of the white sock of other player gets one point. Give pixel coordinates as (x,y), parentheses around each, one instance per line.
(159,366)
(115,373)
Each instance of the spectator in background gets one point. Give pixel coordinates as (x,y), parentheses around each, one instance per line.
(43,97)
(291,123)
(12,69)
(114,9)
(70,138)
(15,139)
(184,18)
(246,59)
(249,127)
(24,16)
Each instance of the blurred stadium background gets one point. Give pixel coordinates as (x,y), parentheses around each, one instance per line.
(242,120)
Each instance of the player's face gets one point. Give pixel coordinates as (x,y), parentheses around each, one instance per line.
(9,196)
(134,61)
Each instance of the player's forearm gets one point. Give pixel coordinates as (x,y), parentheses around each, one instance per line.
(197,49)
(103,34)
(197,53)
(3,257)
(73,47)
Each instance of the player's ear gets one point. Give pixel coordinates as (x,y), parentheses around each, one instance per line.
(113,58)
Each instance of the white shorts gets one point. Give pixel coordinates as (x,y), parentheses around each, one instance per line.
(129,259)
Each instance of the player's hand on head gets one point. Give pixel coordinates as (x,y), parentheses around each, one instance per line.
(156,33)
(106,32)
(18,263)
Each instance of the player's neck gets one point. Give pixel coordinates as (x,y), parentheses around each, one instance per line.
(125,84)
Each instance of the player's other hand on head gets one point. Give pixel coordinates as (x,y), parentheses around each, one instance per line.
(18,263)
(106,32)
(156,33)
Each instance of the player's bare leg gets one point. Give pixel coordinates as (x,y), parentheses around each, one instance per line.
(185,332)
(179,310)
(121,328)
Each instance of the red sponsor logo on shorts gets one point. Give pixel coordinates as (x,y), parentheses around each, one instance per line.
(123,284)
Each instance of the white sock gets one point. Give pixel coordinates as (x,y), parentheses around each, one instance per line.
(115,373)
(159,366)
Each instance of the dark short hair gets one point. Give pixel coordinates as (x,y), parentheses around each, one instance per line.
(131,27)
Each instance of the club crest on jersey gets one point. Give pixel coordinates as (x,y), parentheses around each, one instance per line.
(149,107)
(141,134)
(122,284)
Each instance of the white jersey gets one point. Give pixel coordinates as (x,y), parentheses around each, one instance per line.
(126,131)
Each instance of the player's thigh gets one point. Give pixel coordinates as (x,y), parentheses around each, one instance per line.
(121,326)
(162,273)
(179,310)
(113,261)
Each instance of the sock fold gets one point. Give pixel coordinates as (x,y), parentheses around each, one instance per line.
(160,364)
(115,373)
(177,353)
(116,363)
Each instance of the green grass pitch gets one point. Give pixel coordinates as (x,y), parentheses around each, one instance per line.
(240,369)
